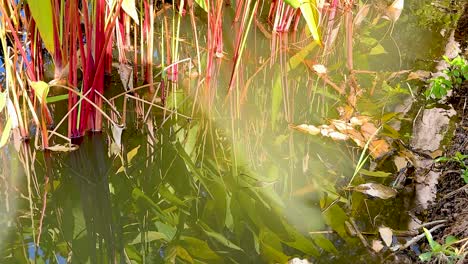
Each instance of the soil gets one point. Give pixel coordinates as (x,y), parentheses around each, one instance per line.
(451,203)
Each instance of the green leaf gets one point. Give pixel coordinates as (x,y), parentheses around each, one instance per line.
(41,11)
(377,50)
(425,256)
(434,245)
(276,99)
(381,174)
(299,57)
(169,196)
(198,248)
(150,236)
(325,244)
(167,230)
(41,89)
(202,4)
(57,98)
(129,7)
(450,240)
(218,237)
(6,133)
(307,10)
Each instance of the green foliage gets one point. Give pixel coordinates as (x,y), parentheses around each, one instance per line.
(445,251)
(460,159)
(457,73)
(436,16)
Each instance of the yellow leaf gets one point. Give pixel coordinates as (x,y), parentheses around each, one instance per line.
(2,100)
(132,154)
(41,89)
(129,7)
(6,133)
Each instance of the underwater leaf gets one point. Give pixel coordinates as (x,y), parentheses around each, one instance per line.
(150,236)
(276,99)
(375,190)
(270,247)
(380,174)
(168,230)
(2,100)
(6,133)
(63,148)
(386,234)
(325,244)
(129,7)
(198,248)
(170,197)
(183,254)
(300,57)
(41,89)
(335,217)
(377,50)
(219,237)
(42,13)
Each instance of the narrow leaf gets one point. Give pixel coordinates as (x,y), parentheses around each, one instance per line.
(6,133)
(308,14)
(41,89)
(129,7)
(41,11)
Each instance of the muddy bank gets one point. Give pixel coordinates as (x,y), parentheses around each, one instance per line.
(451,199)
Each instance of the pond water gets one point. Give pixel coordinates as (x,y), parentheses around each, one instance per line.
(226,180)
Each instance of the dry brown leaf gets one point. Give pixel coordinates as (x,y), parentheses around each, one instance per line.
(420,75)
(375,190)
(63,148)
(308,129)
(377,245)
(337,136)
(368,130)
(359,120)
(379,148)
(386,234)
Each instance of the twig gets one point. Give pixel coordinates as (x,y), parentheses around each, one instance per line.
(450,194)
(358,233)
(419,237)
(431,223)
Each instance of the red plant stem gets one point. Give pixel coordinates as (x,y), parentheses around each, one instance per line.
(349,37)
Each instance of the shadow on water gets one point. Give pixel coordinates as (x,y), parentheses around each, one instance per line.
(89,169)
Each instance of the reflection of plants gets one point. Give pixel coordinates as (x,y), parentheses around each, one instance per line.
(460,160)
(456,74)
(445,252)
